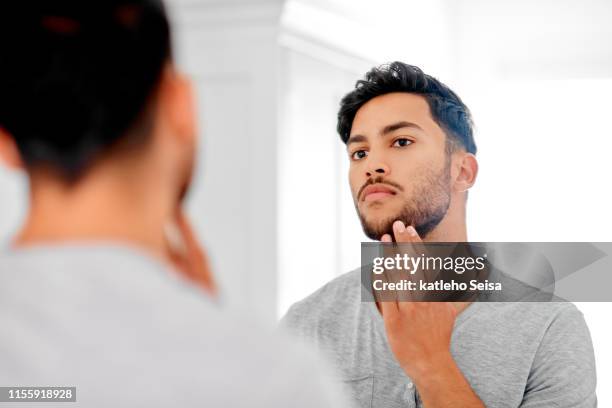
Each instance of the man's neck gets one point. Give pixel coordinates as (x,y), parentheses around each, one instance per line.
(101,209)
(452,228)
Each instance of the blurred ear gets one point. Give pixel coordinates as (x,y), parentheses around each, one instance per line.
(467,171)
(177,105)
(9,154)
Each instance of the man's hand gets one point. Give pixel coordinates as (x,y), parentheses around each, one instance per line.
(187,255)
(419,335)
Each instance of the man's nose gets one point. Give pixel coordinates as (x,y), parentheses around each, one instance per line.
(378,169)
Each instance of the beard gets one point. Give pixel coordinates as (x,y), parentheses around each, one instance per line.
(424,210)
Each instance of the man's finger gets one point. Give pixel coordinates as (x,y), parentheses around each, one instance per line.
(193,263)
(410,244)
(405,234)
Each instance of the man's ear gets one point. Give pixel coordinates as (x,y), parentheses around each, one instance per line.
(178,104)
(467,172)
(9,152)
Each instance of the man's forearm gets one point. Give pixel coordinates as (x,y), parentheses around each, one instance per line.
(441,384)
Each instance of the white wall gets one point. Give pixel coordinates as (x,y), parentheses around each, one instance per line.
(231,51)
(310,182)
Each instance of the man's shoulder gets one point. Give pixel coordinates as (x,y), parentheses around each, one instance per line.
(531,312)
(526,325)
(548,317)
(151,321)
(338,297)
(344,289)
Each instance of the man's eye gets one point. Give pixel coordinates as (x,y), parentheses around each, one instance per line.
(402,142)
(359,154)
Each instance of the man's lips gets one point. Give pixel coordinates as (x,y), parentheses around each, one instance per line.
(377,192)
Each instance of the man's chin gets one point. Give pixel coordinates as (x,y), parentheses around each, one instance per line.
(376,228)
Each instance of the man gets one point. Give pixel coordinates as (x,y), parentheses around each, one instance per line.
(98,290)
(412,160)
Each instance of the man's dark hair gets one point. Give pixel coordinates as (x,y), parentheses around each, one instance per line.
(78,76)
(447,109)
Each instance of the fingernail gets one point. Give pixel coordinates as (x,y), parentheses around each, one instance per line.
(399,227)
(411,230)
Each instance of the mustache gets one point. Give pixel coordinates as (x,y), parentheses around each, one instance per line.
(378,180)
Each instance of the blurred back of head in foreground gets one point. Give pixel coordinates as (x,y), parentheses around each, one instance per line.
(92,108)
(95,112)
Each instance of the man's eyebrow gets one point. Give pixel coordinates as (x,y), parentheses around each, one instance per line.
(399,125)
(386,130)
(356,139)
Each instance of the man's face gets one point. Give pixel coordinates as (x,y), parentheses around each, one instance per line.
(399,165)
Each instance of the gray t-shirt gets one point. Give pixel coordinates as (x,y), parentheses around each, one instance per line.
(129,332)
(521,354)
